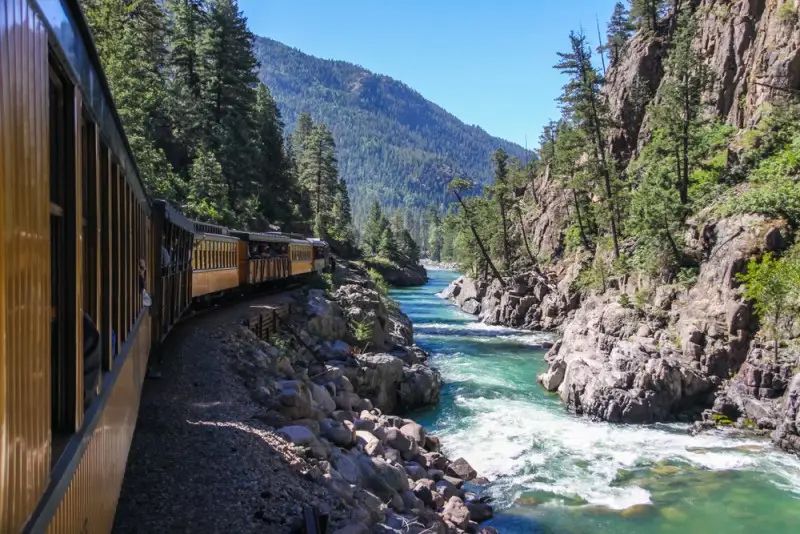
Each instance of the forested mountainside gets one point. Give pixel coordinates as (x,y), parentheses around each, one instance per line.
(659,231)
(393,146)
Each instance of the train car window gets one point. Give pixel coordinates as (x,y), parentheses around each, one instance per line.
(90,220)
(106,295)
(116,270)
(62,198)
(92,346)
(125,235)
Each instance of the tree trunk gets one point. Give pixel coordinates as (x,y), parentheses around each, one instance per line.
(671,241)
(478,240)
(580,222)
(525,236)
(600,150)
(504,220)
(533,188)
(685,140)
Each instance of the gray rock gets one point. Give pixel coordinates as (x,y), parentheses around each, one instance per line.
(341,434)
(456,512)
(371,444)
(479,511)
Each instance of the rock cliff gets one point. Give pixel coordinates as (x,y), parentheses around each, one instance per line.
(675,350)
(330,392)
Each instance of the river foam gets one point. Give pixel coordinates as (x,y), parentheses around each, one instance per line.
(552,471)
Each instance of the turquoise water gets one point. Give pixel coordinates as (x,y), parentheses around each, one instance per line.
(553,472)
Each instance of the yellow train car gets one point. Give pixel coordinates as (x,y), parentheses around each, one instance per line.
(173,240)
(74,330)
(263,257)
(215,260)
(301,255)
(321,254)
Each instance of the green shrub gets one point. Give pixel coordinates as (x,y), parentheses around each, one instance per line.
(687,276)
(641,298)
(363,331)
(721,420)
(787,12)
(624,300)
(773,286)
(380,283)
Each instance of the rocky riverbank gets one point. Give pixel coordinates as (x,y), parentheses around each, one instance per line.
(642,353)
(399,275)
(330,383)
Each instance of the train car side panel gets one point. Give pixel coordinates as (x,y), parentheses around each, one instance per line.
(24,271)
(207,282)
(301,257)
(215,264)
(244,263)
(90,500)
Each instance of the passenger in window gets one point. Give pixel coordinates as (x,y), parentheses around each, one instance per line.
(146,300)
(166,258)
(91,361)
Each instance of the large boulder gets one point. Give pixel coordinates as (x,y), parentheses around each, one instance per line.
(456,513)
(379,378)
(420,386)
(609,365)
(326,319)
(460,468)
(400,275)
(787,435)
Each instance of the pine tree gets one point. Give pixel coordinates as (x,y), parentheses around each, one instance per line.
(373,229)
(457,186)
(188,23)
(679,100)
(319,175)
(571,144)
(277,188)
(130,40)
(619,31)
(226,67)
(581,100)
(408,248)
(388,244)
(207,197)
(645,13)
(342,230)
(435,238)
(501,193)
(547,141)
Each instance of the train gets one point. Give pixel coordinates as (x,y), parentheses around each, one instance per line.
(94,274)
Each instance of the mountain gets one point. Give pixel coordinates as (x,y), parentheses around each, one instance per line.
(393,145)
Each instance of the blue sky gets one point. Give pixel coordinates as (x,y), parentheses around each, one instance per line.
(487,62)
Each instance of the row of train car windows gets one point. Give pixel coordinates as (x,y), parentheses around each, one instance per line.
(301,254)
(212,254)
(98,257)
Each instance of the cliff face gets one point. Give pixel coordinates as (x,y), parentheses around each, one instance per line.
(678,350)
(752,50)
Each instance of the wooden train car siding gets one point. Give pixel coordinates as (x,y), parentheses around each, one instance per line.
(89,502)
(24,265)
(215,264)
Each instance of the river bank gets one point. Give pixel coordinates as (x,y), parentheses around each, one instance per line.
(552,471)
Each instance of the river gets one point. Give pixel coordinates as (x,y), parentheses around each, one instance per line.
(551,471)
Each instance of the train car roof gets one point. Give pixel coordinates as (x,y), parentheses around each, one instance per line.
(72,41)
(300,242)
(317,242)
(267,237)
(209,228)
(173,215)
(207,236)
